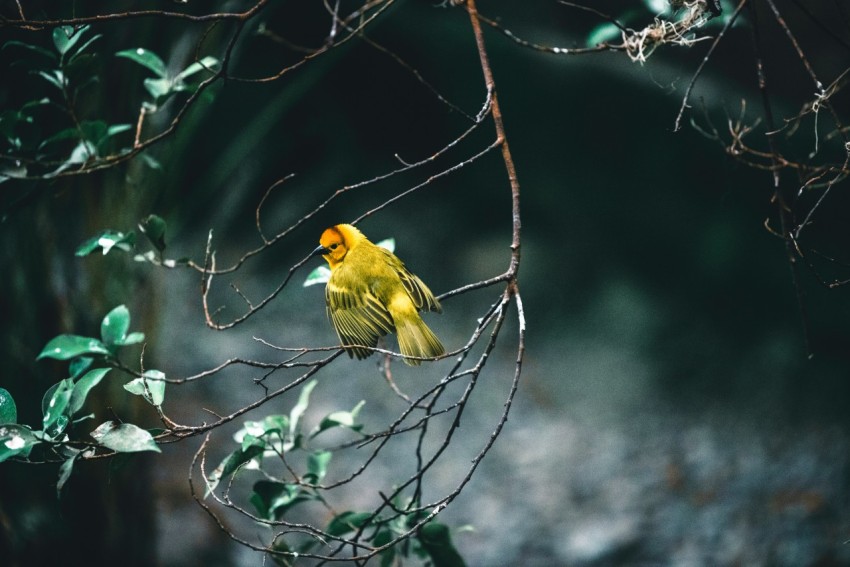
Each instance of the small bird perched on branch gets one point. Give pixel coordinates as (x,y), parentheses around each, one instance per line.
(370,293)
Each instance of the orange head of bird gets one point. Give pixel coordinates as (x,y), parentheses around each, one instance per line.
(336,242)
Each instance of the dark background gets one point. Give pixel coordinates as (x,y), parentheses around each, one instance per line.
(668,412)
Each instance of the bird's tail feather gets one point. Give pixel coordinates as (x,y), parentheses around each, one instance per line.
(416,339)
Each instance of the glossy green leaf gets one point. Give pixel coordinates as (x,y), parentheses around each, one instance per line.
(54,406)
(15,440)
(208,64)
(124,437)
(270,425)
(55,77)
(158,88)
(231,463)
(317,465)
(346,522)
(273,499)
(115,129)
(437,542)
(151,386)
(79,365)
(65,473)
(340,419)
(60,136)
(153,227)
(82,49)
(65,37)
(318,276)
(65,347)
(94,130)
(107,240)
(82,388)
(147,59)
(300,407)
(115,325)
(133,338)
(8,409)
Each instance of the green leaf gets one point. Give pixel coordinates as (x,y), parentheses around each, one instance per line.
(299,408)
(318,276)
(231,463)
(12,169)
(151,386)
(65,473)
(340,419)
(54,406)
(317,465)
(146,58)
(55,77)
(115,129)
(94,131)
(65,37)
(603,33)
(60,136)
(388,243)
(82,152)
(79,365)
(133,338)
(383,537)
(15,440)
(208,64)
(65,347)
(158,88)
(273,499)
(124,437)
(153,227)
(107,240)
(346,522)
(437,542)
(271,424)
(150,161)
(82,49)
(115,325)
(82,388)
(34,48)
(8,409)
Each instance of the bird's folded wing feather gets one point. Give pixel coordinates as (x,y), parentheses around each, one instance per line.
(358,317)
(418,291)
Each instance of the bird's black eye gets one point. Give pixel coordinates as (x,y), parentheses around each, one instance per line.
(333,246)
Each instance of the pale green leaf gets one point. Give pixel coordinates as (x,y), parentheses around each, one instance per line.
(146,58)
(83,386)
(318,276)
(124,437)
(151,386)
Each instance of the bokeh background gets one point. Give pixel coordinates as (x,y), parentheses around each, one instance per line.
(669,412)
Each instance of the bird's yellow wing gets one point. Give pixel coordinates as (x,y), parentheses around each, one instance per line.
(418,291)
(358,317)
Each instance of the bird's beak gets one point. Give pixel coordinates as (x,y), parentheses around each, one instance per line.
(319,251)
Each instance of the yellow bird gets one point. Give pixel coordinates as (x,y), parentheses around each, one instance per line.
(370,293)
